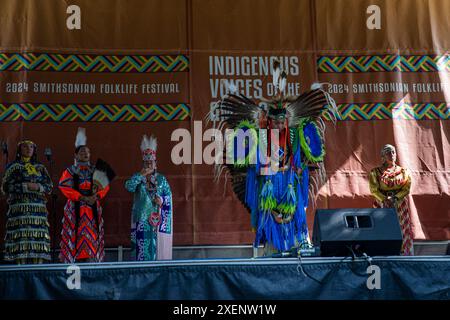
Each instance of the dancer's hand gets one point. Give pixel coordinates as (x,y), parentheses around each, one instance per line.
(146,171)
(33,186)
(158,200)
(92,200)
(89,200)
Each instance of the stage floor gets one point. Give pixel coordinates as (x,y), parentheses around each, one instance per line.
(420,277)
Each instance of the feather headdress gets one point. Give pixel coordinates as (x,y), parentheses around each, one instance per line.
(148,148)
(81,138)
(313,105)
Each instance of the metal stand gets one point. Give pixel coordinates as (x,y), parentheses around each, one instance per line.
(255,252)
(53,198)
(4,146)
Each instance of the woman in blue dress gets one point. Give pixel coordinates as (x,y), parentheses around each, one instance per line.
(151,218)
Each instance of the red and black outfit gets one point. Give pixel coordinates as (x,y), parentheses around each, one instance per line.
(82,236)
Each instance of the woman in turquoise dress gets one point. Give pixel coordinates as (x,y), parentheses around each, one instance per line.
(151,218)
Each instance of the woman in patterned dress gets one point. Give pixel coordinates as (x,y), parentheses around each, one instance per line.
(151,218)
(390,185)
(26,183)
(82,236)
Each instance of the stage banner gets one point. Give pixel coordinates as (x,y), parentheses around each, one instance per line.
(124,68)
(391,85)
(118,68)
(235,44)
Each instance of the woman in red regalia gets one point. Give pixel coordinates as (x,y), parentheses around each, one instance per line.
(82,236)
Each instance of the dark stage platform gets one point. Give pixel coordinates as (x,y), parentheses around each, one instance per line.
(223,279)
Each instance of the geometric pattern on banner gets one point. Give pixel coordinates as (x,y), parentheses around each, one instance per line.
(394,110)
(92,63)
(384,63)
(94,113)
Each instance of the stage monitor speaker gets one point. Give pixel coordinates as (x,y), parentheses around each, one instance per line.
(375,232)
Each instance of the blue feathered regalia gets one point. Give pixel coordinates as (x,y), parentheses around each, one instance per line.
(271,151)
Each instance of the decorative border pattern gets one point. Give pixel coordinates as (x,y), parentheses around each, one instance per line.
(383,63)
(93,63)
(94,113)
(394,110)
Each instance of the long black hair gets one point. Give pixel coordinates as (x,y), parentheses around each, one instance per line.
(77,149)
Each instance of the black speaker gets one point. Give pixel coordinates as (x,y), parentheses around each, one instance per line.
(375,232)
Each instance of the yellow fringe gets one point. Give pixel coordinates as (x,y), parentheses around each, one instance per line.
(27,234)
(27,246)
(40,221)
(27,198)
(28,208)
(11,171)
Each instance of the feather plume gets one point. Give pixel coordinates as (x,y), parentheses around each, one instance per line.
(148,143)
(100,178)
(310,104)
(81,138)
(283,81)
(232,89)
(316,85)
(233,109)
(103,174)
(332,108)
(276,73)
